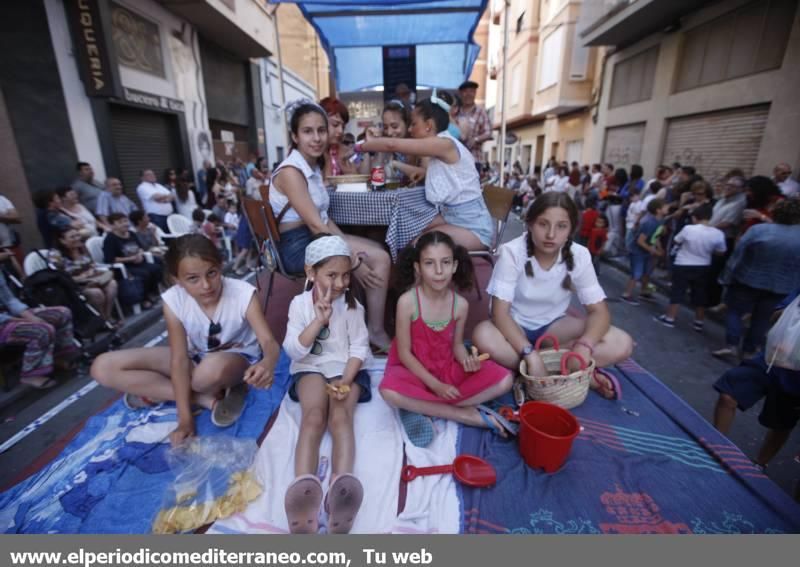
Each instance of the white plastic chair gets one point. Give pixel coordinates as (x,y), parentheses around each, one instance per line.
(179,224)
(34,262)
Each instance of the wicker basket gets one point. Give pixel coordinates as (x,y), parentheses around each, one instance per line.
(558,388)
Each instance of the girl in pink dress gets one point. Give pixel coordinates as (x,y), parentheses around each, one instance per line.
(429,371)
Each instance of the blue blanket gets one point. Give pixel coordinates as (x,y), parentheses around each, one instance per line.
(112,477)
(646,464)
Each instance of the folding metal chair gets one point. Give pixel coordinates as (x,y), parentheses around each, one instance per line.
(264,229)
(499,201)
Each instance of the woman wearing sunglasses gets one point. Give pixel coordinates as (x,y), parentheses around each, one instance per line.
(328,342)
(217,334)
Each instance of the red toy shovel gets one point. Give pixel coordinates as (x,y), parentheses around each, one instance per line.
(468,469)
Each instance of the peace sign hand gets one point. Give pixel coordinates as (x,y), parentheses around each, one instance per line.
(323,308)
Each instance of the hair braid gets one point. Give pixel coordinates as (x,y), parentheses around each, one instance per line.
(530,250)
(569,260)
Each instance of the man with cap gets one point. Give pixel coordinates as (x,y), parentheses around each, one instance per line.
(476,119)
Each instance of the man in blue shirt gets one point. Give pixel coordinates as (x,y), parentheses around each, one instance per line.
(753,380)
(764,267)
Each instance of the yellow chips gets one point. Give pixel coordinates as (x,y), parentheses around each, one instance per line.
(242,489)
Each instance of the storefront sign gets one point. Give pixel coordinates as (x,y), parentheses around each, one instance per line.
(157,102)
(91,45)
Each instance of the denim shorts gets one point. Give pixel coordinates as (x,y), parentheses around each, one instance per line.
(292,249)
(472,215)
(640,264)
(534,334)
(750,382)
(251,360)
(362,379)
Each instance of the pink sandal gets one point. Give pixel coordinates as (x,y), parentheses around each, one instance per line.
(343,502)
(606,384)
(302,501)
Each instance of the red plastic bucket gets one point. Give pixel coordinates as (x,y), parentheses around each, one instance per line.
(546,435)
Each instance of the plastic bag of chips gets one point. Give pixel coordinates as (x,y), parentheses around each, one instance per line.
(212,481)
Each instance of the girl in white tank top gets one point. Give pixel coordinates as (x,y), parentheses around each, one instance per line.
(217,334)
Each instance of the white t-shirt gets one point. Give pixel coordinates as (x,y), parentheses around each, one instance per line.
(698,242)
(597,179)
(5,230)
(348,337)
(789,187)
(538,301)
(236,335)
(232,219)
(452,183)
(147,191)
(635,209)
(561,183)
(187,207)
(252,188)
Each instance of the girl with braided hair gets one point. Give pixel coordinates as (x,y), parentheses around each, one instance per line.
(531,288)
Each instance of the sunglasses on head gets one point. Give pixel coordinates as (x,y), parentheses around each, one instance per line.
(214,329)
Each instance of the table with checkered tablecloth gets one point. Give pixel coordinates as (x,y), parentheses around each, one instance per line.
(405,213)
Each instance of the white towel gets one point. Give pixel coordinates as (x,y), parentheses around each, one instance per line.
(431,503)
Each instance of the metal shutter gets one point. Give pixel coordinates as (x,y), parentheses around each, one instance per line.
(623,145)
(144,140)
(716,142)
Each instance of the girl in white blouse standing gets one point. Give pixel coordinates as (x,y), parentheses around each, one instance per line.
(531,289)
(451,179)
(328,342)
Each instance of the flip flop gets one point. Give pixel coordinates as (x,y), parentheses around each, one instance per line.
(46,384)
(342,503)
(226,411)
(302,501)
(134,402)
(419,428)
(485,412)
(611,388)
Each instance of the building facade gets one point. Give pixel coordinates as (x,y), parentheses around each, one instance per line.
(274,100)
(301,50)
(708,84)
(550,84)
(128,85)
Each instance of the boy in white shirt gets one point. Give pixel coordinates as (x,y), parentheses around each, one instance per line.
(635,211)
(698,242)
(231,220)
